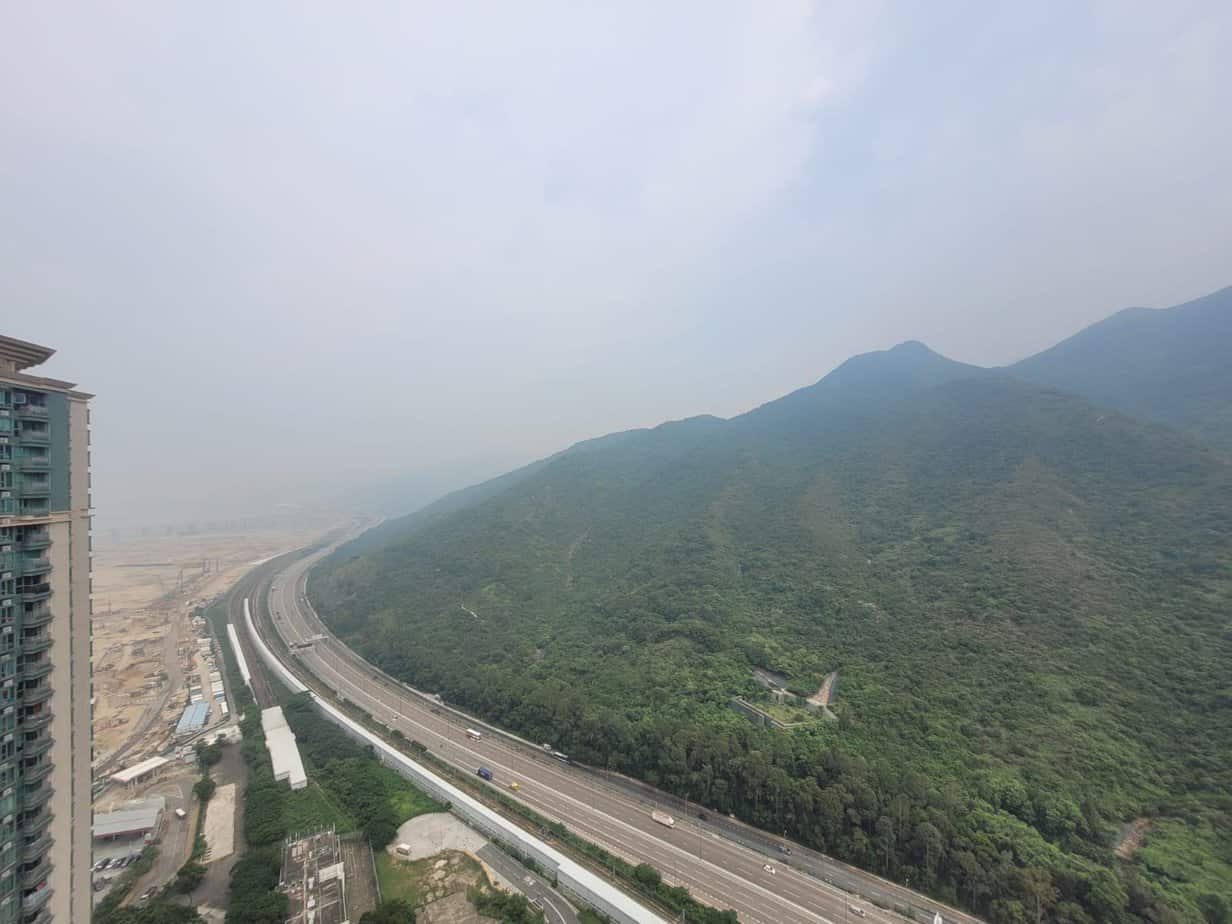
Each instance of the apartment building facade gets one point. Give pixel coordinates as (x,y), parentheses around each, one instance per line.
(45,685)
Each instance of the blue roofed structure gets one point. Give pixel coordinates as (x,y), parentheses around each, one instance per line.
(193,718)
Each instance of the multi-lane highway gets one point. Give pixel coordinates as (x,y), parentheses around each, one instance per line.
(717,868)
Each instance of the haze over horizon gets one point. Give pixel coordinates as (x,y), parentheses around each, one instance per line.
(432,247)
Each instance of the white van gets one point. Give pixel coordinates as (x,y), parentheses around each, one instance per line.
(473,735)
(181,814)
(403,850)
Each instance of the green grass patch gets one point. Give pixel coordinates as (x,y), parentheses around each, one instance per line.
(408,881)
(407,801)
(312,808)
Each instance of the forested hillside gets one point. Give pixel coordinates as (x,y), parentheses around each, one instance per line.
(1169,366)
(1025,597)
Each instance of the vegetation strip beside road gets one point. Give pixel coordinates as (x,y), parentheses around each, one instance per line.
(673,900)
(349,790)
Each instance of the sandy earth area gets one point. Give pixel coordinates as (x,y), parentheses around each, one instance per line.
(220,823)
(144,592)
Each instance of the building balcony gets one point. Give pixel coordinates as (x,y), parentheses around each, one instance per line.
(40,463)
(32,876)
(36,643)
(39,694)
(34,669)
(35,822)
(38,746)
(35,487)
(35,539)
(35,900)
(33,721)
(36,847)
(31,435)
(31,410)
(38,771)
(36,798)
(36,616)
(34,564)
(34,507)
(39,591)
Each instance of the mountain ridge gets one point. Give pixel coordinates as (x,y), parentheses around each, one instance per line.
(995,565)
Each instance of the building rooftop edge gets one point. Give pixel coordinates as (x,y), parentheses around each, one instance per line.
(22,353)
(38,381)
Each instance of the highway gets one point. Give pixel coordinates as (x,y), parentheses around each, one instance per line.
(718,869)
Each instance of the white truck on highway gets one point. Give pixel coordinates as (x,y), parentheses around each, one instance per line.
(663,818)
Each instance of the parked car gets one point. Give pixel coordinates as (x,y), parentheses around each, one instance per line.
(148,894)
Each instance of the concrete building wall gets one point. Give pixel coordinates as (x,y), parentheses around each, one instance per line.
(61,678)
(77,796)
(50,839)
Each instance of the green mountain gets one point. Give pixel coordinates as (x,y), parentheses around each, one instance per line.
(1025,598)
(1170,366)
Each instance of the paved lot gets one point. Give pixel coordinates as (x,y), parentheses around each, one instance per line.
(214,890)
(220,821)
(428,835)
(175,836)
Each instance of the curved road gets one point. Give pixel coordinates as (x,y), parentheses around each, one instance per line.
(716,869)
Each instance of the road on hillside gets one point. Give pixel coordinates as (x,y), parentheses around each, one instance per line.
(717,869)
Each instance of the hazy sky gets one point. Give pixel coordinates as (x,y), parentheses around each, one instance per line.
(295,248)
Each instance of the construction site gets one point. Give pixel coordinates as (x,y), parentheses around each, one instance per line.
(152,657)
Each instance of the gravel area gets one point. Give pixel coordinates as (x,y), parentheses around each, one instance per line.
(220,824)
(428,835)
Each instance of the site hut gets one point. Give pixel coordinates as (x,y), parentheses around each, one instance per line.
(192,720)
(133,824)
(141,773)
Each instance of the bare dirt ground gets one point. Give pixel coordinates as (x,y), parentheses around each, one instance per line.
(144,592)
(822,696)
(1131,837)
(443,888)
(452,909)
(361,889)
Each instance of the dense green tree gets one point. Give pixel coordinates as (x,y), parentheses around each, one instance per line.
(391,912)
(993,569)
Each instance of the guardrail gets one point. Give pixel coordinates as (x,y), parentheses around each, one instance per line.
(571,877)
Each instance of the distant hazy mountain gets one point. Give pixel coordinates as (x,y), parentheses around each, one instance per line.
(1025,595)
(1171,366)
